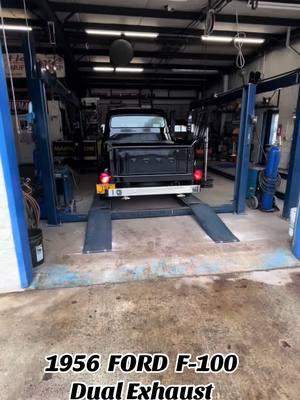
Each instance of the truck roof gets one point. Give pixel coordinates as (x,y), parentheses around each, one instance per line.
(137,110)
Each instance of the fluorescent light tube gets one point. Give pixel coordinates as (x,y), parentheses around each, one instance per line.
(102,32)
(196,71)
(223,39)
(119,33)
(23,28)
(249,40)
(277,6)
(104,69)
(228,39)
(141,34)
(128,69)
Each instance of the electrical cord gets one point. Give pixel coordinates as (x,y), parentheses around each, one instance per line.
(209,22)
(28,36)
(259,142)
(32,207)
(238,44)
(26,186)
(273,94)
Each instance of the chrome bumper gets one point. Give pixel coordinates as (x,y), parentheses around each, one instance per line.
(155,190)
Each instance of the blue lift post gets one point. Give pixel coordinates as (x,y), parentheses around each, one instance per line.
(296,238)
(246,124)
(44,161)
(267,85)
(13,186)
(293,180)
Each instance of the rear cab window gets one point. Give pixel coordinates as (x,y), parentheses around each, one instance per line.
(143,127)
(137,121)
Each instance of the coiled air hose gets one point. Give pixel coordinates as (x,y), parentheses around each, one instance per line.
(267,184)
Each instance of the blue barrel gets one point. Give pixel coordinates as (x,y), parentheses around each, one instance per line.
(268,185)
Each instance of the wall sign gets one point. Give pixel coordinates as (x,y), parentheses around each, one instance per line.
(52,60)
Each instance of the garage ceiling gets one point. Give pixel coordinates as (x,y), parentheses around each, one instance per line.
(176,58)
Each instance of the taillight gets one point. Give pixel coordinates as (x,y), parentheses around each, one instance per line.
(198,175)
(105,177)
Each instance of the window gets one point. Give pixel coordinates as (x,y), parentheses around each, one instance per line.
(137,121)
(180,128)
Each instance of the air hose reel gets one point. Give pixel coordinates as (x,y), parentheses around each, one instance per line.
(269,180)
(269,184)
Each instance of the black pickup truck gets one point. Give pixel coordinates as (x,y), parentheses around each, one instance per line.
(139,157)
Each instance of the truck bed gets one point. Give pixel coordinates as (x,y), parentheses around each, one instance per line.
(151,162)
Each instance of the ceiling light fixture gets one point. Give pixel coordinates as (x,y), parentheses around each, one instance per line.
(102,32)
(149,35)
(249,40)
(223,39)
(196,71)
(16,28)
(277,6)
(128,69)
(228,39)
(104,69)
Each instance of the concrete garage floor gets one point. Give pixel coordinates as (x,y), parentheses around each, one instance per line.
(256,315)
(164,247)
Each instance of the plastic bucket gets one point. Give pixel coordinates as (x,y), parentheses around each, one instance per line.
(292,220)
(36,246)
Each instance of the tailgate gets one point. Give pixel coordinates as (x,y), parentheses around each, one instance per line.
(152,160)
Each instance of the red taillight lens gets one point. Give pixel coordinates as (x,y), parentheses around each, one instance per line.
(105,177)
(198,175)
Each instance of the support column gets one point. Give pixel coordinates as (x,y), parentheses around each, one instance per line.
(15,259)
(293,180)
(296,238)
(242,167)
(43,151)
(223,115)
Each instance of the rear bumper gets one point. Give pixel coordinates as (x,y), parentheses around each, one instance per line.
(153,190)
